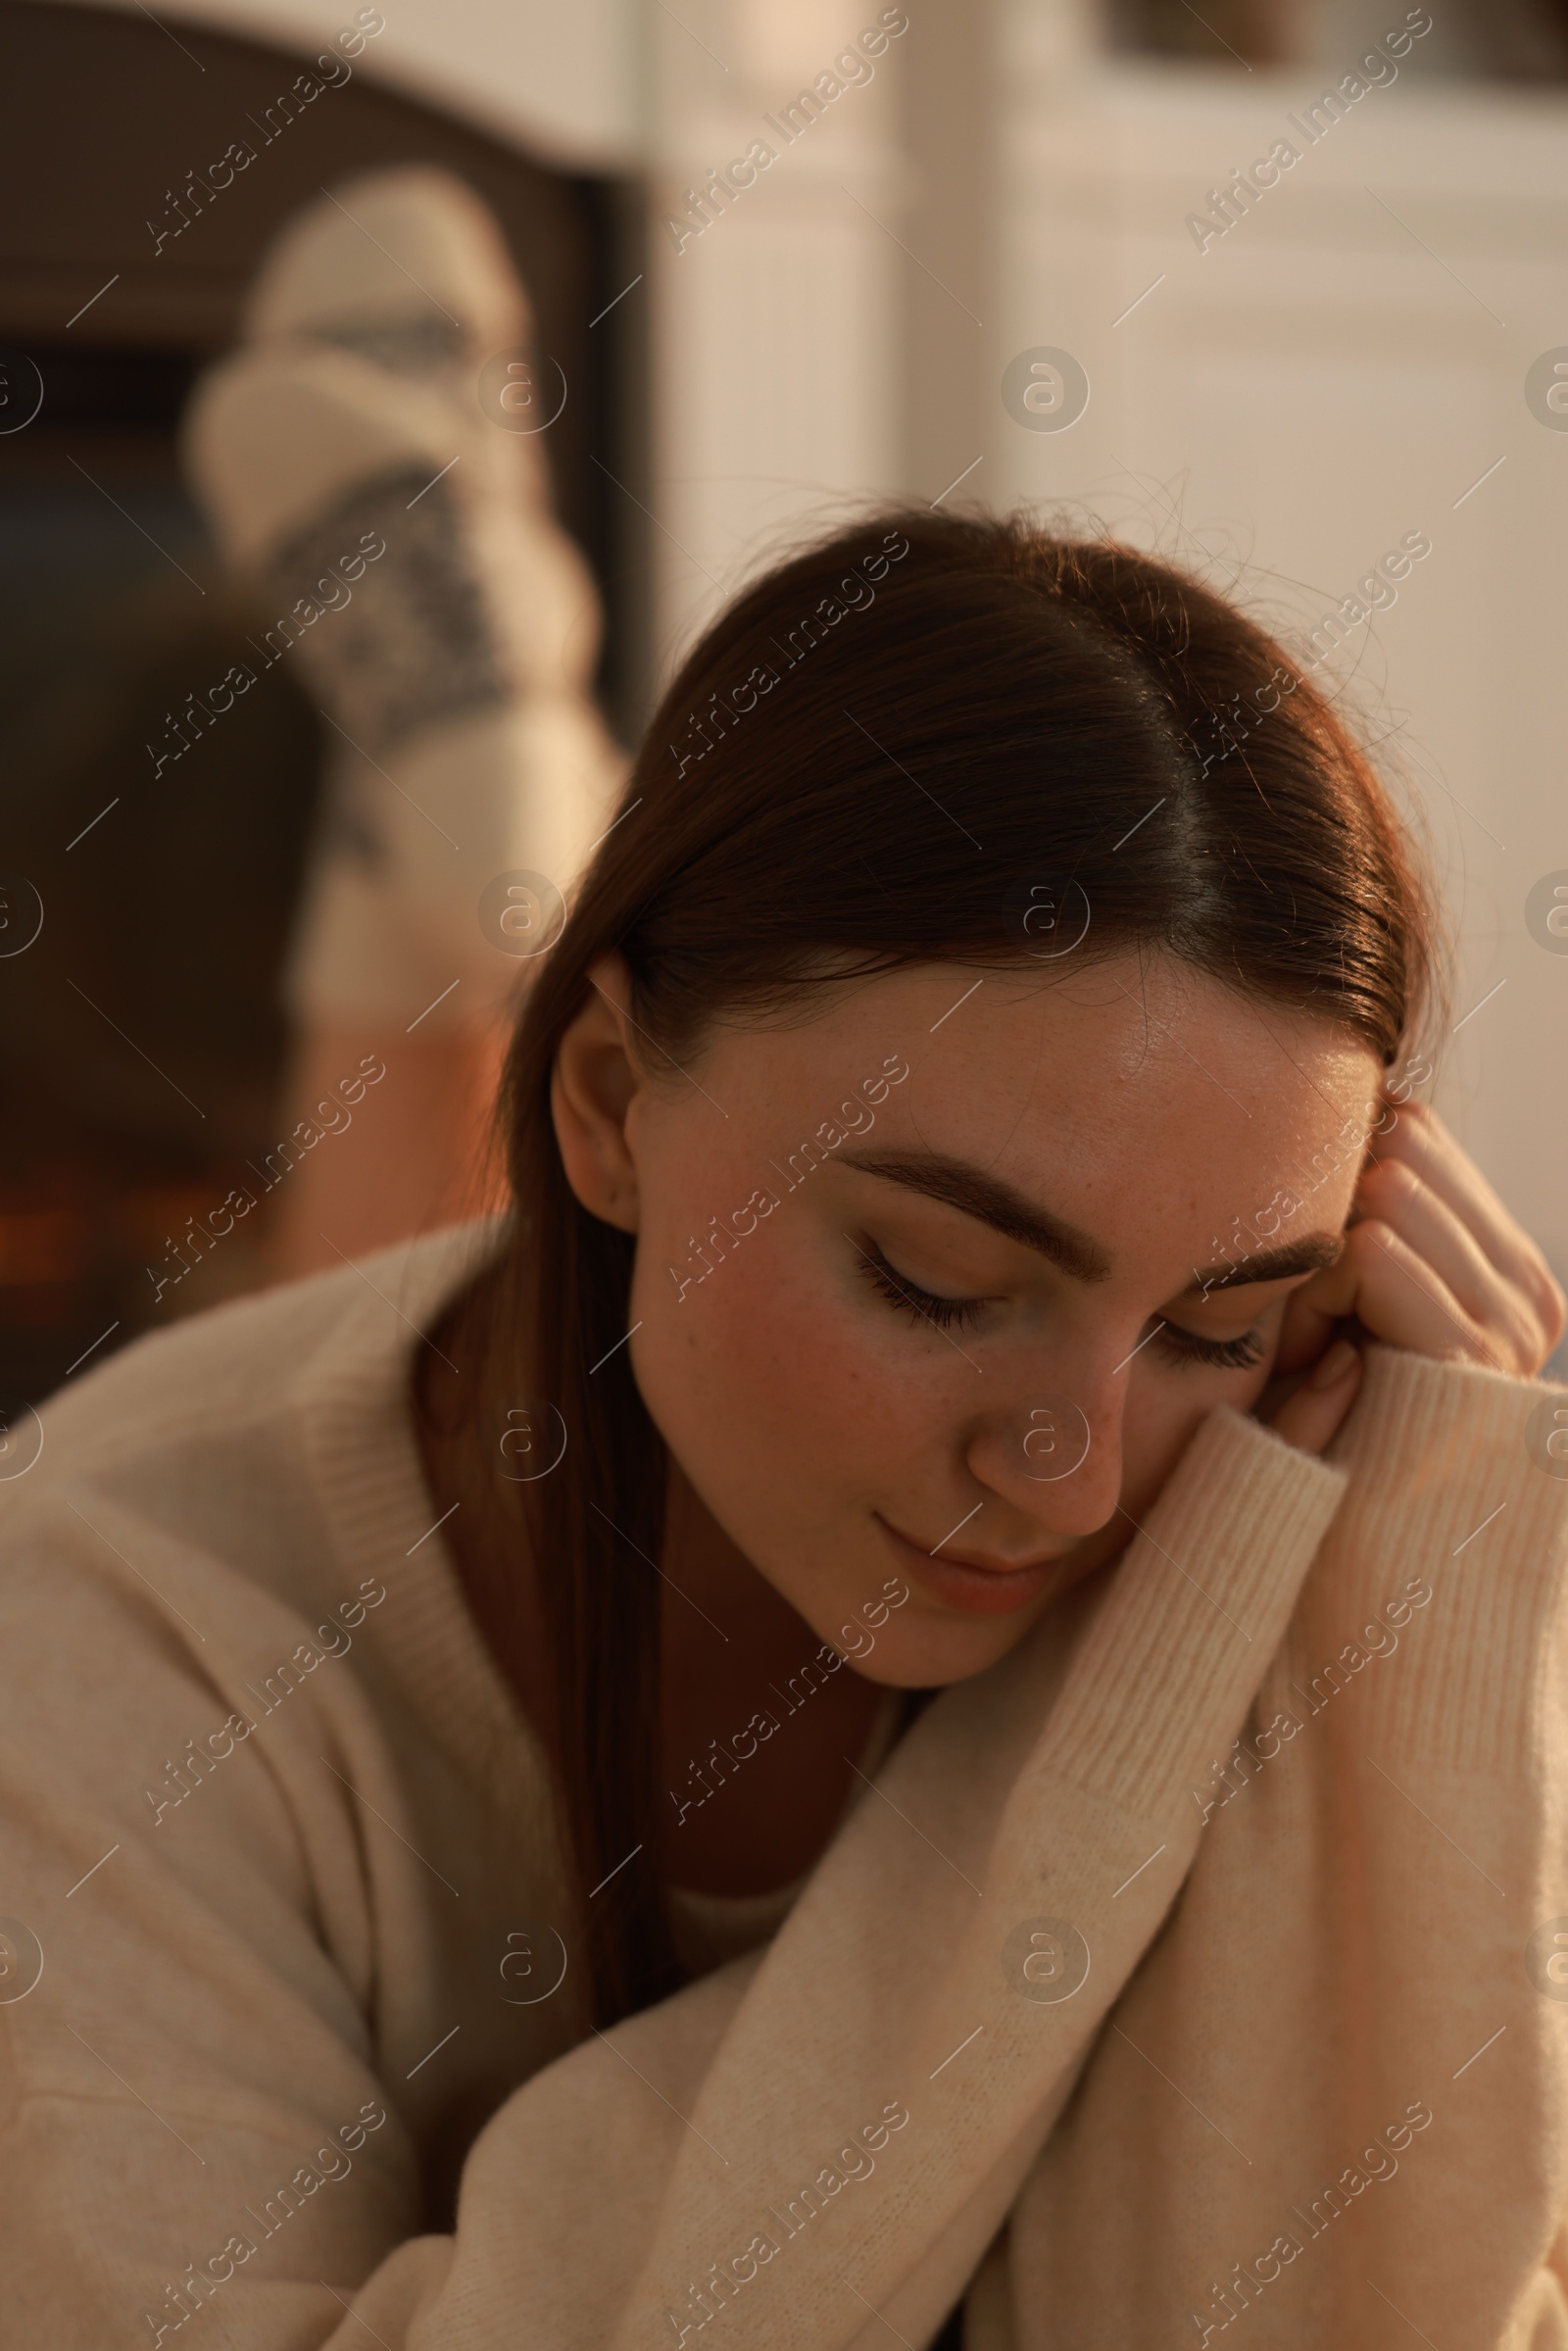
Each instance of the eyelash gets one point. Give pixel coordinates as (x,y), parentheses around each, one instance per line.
(947,1313)
(1221,1354)
(906,1298)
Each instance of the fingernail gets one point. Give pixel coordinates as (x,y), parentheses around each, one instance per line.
(1335,1364)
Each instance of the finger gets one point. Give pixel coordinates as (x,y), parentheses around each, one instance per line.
(1422,1142)
(1394,1194)
(1381,1281)
(1307,1327)
(1404,1301)
(1311,1417)
(1431,1151)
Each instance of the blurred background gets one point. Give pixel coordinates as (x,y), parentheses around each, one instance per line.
(1012,261)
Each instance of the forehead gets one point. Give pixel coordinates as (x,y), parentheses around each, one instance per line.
(1131,1084)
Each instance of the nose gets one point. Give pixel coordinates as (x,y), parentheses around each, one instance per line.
(1055,1454)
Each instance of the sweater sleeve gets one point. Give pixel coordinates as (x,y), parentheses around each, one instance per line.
(1332,2103)
(828,2134)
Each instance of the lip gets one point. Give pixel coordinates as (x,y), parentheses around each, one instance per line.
(978,1587)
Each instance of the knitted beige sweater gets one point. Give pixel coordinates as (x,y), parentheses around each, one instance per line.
(1151,2036)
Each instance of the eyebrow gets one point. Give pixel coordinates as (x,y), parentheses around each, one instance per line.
(974,1192)
(1310,1255)
(961,1185)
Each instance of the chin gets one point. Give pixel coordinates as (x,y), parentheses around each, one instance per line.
(924,1648)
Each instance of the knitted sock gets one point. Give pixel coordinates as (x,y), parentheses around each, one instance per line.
(441,619)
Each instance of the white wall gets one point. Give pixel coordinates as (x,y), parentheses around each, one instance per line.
(775,386)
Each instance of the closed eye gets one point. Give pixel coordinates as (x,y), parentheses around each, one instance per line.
(907,1298)
(1176,1345)
(1224,1355)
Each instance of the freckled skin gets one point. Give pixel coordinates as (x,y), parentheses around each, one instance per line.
(824,1442)
(1147,1106)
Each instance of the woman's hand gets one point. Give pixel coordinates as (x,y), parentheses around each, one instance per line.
(1432,1263)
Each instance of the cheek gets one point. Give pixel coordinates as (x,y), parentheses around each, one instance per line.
(764,1380)
(1164,1411)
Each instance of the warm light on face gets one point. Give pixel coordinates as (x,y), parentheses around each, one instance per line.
(916,1279)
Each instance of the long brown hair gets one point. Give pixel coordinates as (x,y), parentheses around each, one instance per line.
(916,741)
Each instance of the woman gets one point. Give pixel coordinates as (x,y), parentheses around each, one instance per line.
(762,1745)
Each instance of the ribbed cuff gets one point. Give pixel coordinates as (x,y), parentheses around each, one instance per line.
(1192,1616)
(1451,1491)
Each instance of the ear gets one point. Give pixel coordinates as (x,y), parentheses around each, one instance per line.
(593,1086)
